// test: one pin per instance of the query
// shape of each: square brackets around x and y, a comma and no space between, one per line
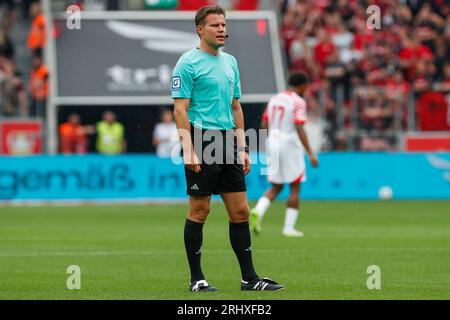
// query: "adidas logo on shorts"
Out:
[195,187]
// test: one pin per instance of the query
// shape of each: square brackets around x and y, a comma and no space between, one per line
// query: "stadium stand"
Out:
[369,87]
[376,70]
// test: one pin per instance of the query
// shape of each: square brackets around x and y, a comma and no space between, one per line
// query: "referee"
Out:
[206,92]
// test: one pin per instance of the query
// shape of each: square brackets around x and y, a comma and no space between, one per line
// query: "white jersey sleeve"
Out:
[299,110]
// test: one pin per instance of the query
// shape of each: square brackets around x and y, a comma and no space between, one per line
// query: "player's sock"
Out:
[242,246]
[193,238]
[261,206]
[290,218]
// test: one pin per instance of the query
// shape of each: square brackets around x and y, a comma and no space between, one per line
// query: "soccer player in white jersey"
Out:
[284,117]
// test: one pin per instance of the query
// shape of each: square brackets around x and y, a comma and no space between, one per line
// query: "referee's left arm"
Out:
[240,135]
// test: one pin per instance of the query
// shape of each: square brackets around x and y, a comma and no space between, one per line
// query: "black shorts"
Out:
[220,174]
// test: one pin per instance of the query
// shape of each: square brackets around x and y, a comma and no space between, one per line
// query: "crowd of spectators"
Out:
[376,69]
[23,93]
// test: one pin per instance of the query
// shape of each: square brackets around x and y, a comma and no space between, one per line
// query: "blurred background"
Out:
[378,101]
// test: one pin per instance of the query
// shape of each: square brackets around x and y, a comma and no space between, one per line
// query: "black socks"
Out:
[193,238]
[241,243]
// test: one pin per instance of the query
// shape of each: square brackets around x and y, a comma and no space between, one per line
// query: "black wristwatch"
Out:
[240,149]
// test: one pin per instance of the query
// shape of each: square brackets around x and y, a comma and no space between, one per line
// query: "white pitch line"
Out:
[80,253]
[217,251]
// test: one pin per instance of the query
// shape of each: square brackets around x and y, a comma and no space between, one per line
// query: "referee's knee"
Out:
[198,214]
[241,214]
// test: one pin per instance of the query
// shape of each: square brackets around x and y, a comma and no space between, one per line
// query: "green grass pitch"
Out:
[137,252]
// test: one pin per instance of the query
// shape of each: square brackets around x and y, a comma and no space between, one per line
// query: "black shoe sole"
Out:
[205,290]
[280,289]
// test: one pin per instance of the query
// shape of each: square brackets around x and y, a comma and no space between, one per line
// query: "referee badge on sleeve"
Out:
[176,83]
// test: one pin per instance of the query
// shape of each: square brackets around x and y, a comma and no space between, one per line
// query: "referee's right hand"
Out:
[191,161]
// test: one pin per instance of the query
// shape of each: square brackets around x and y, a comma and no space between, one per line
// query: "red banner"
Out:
[21,137]
[425,142]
